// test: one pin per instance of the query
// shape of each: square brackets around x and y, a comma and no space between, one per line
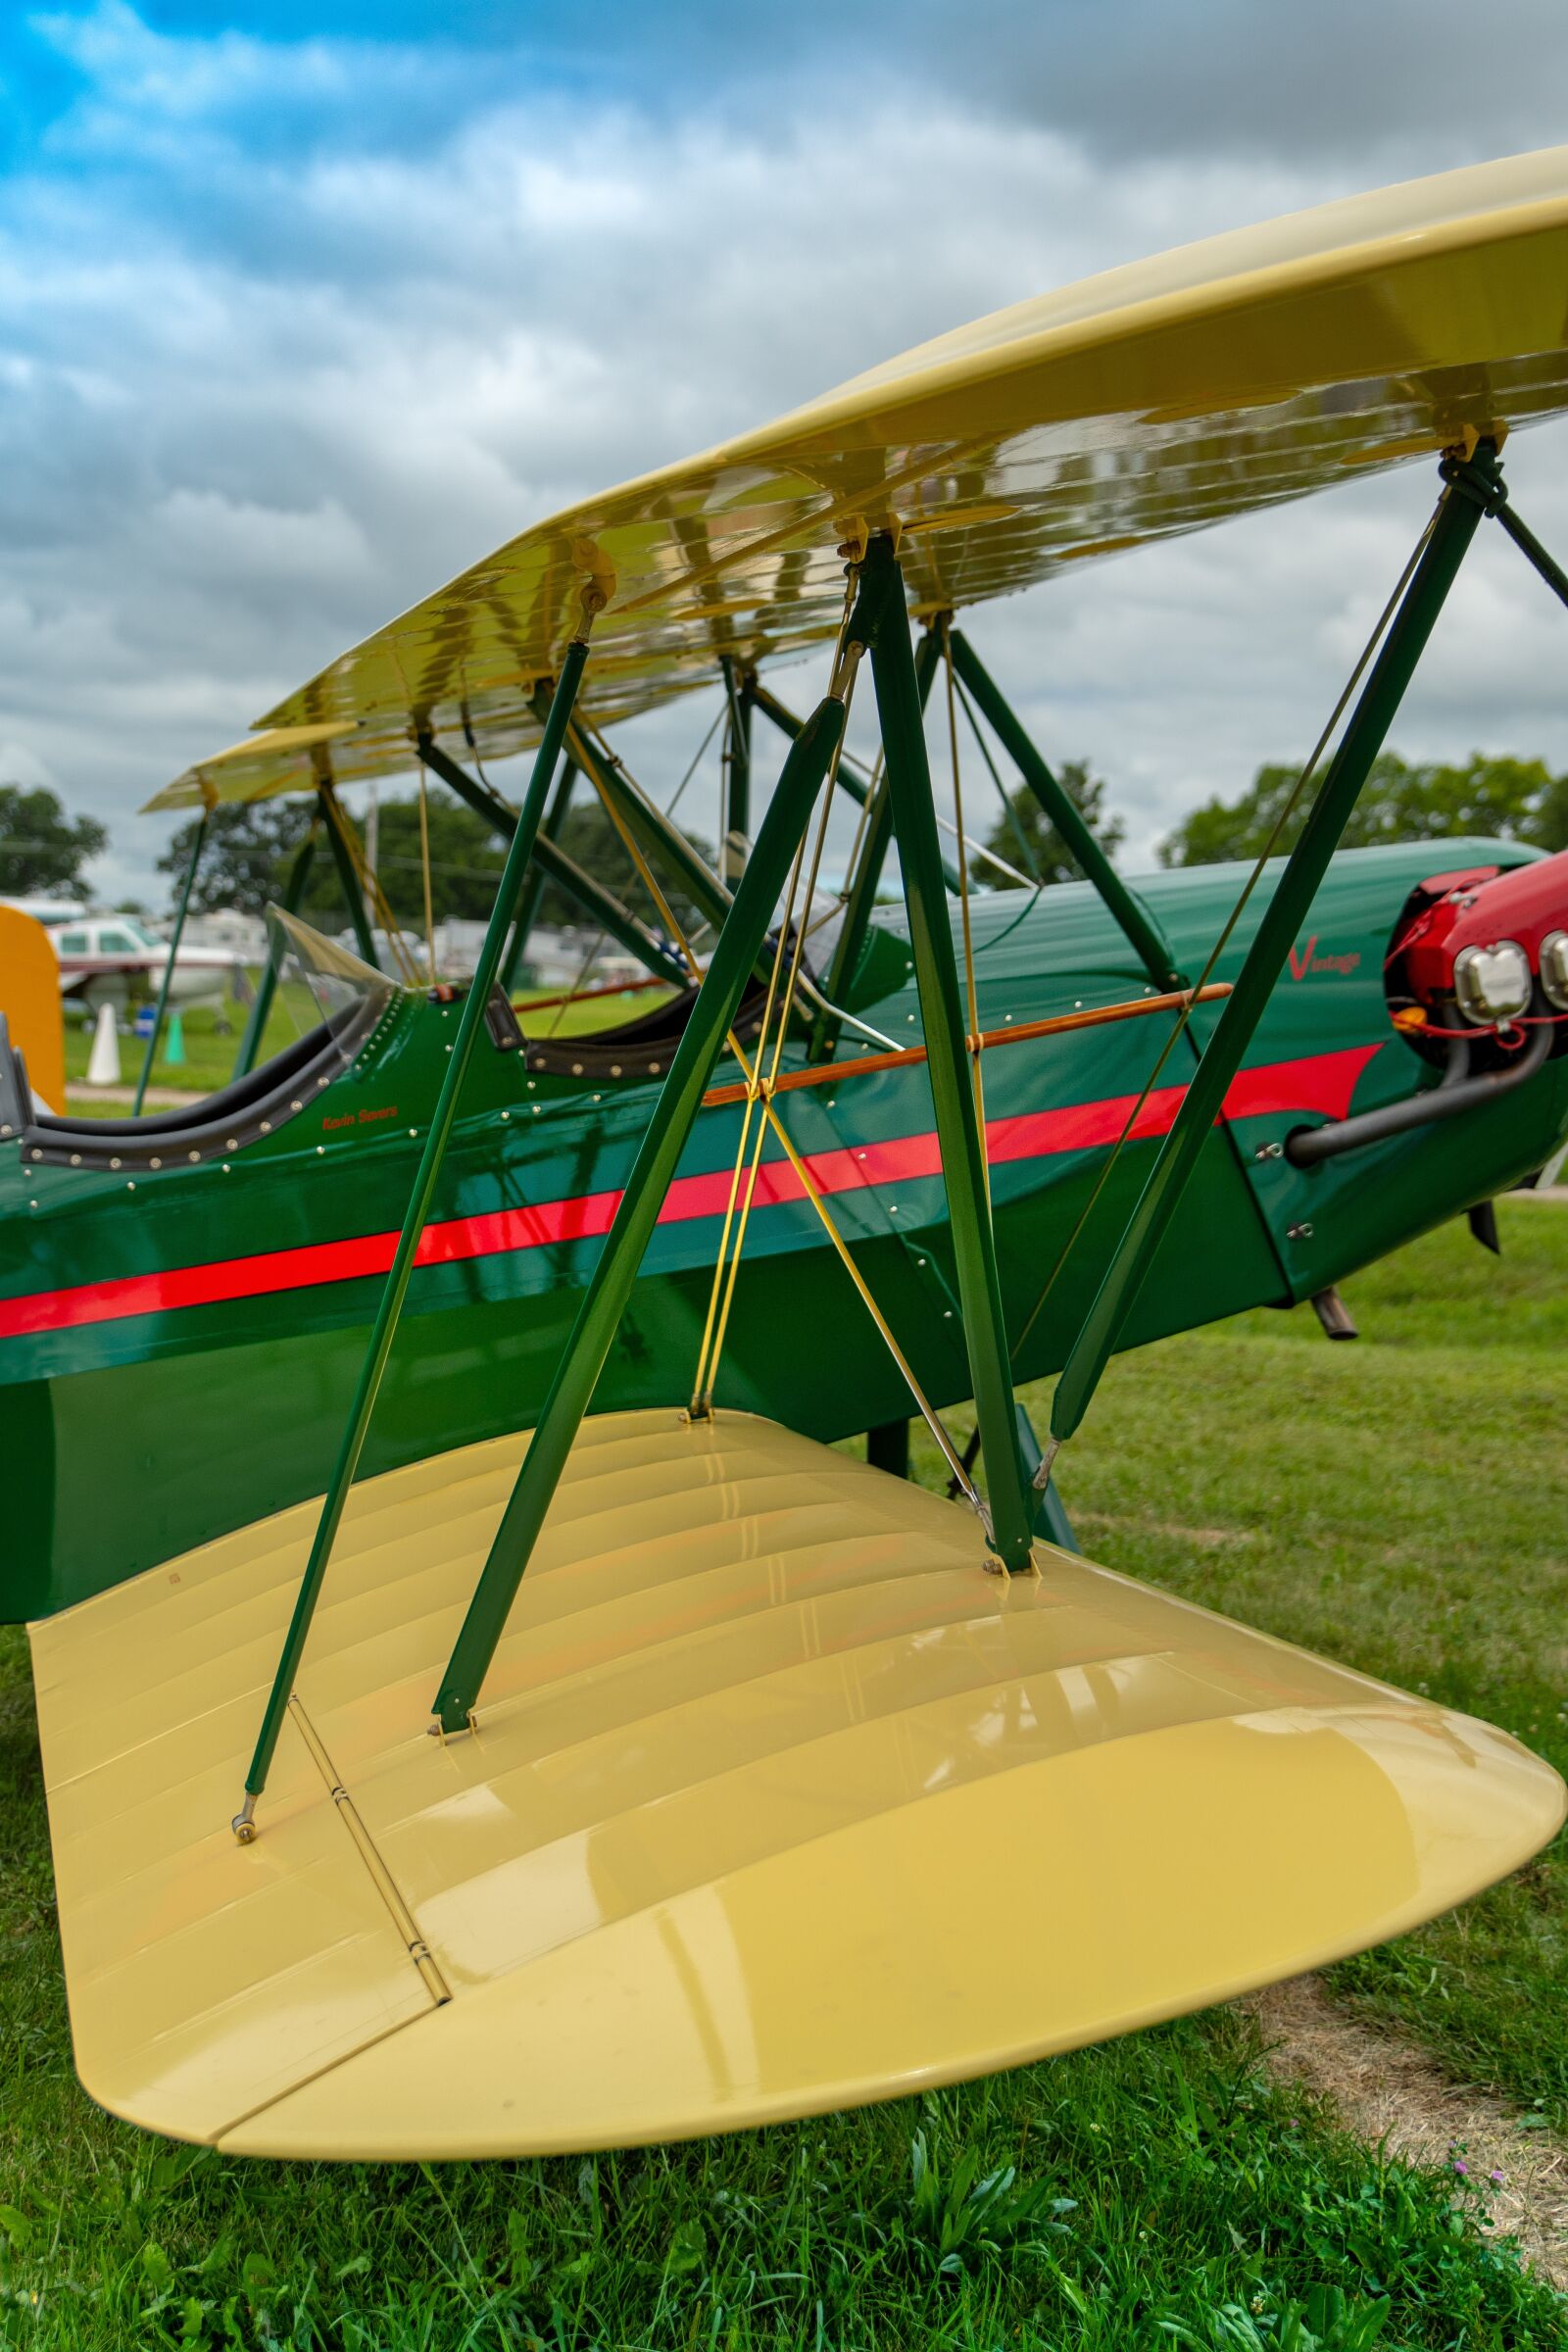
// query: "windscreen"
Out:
[337,979]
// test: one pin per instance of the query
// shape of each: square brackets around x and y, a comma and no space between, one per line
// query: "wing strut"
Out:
[735,828]
[1141,930]
[863,789]
[337,841]
[550,861]
[168,981]
[963,1150]
[1408,621]
[739,943]
[533,889]
[298,874]
[660,837]
[865,879]
[384,1330]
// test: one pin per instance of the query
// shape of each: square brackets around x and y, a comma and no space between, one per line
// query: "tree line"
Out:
[1401,800]
[250,848]
[45,851]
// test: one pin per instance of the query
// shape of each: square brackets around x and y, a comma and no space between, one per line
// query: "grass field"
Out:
[211,1038]
[1399,1503]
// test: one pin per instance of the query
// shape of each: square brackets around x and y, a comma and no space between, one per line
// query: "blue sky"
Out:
[304,305]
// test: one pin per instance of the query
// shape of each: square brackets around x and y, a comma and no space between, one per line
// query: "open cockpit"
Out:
[351,1000]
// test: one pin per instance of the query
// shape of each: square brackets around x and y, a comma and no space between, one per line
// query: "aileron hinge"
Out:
[387,1887]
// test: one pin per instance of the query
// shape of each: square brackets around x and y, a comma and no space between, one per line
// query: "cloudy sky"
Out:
[305,304]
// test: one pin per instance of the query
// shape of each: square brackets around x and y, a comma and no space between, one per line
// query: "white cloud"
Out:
[263,390]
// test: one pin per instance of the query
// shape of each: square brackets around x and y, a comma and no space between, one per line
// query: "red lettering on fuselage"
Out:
[366,1118]
[1307,960]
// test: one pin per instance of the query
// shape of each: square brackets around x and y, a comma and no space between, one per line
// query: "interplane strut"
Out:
[384,1329]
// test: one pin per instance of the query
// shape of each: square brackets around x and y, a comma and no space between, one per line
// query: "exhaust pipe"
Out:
[1455,1091]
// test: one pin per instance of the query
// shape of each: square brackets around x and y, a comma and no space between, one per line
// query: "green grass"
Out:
[211,1037]
[1399,1503]
[586,1019]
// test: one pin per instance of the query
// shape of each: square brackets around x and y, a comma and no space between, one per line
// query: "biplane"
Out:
[610,1758]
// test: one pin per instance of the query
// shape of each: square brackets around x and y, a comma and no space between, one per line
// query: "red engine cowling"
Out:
[1483,953]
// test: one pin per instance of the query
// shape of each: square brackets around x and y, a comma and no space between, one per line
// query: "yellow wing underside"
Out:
[1224,376]
[777,1803]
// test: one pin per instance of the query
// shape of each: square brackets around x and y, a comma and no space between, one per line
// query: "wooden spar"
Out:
[1097,1016]
[586,996]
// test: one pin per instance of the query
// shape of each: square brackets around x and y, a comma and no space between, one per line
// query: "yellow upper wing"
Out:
[1157,398]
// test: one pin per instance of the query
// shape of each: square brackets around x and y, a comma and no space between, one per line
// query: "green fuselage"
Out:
[178,1345]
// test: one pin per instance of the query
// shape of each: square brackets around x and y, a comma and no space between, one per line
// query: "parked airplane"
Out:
[102,956]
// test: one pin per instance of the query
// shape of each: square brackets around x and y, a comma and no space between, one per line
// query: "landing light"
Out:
[1554,969]
[1493,984]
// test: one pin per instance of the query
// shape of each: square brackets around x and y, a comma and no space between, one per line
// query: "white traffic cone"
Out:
[103,1063]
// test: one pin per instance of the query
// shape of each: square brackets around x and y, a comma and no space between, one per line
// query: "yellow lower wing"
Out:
[777,1803]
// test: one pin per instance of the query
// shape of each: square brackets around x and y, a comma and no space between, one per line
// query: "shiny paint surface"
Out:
[777,1803]
[194,1418]
[1230,374]
[1524,906]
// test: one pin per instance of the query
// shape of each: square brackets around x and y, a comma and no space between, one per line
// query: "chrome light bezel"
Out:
[1554,969]
[1478,983]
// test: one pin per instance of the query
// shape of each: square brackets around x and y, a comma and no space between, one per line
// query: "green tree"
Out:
[466,860]
[246,858]
[1403,799]
[592,840]
[42,851]
[1048,853]
[250,847]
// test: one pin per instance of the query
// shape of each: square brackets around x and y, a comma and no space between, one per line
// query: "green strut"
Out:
[1138,926]
[167,979]
[553,862]
[347,872]
[738,774]
[609,1287]
[384,1330]
[658,838]
[962,1145]
[864,883]
[1479,480]
[298,873]
[1452,530]
[858,787]
[533,889]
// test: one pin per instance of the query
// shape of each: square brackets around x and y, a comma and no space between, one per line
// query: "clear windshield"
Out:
[336,978]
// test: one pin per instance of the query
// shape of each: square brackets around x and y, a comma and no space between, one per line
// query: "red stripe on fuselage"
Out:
[1322,1082]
